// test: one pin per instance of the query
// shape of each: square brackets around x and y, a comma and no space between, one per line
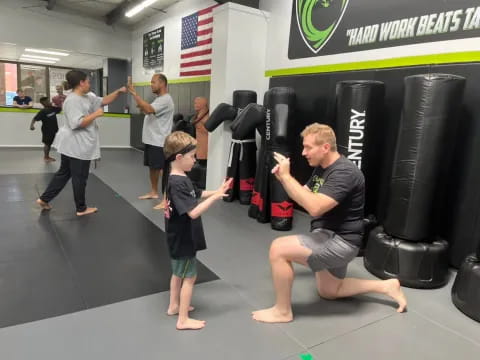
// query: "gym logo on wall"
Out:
[318,19]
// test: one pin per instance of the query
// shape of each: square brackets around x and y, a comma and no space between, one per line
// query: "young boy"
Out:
[183,224]
[48,117]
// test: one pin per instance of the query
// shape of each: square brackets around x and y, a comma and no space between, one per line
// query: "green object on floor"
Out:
[306,357]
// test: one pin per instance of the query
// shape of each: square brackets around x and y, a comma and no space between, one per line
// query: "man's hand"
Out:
[32,127]
[221,191]
[282,169]
[98,113]
[123,90]
[130,87]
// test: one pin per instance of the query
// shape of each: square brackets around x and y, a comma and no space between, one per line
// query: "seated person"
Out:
[22,101]
[58,99]
[201,134]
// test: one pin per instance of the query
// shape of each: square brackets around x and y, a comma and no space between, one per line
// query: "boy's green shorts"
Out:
[184,267]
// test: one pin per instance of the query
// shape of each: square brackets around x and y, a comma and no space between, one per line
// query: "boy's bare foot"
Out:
[161,206]
[43,204]
[174,310]
[394,290]
[150,195]
[190,324]
[87,211]
[272,315]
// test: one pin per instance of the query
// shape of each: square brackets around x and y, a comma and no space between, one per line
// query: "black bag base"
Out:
[369,224]
[417,265]
[466,288]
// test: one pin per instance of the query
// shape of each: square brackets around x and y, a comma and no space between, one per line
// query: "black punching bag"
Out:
[424,145]
[466,288]
[408,248]
[240,155]
[464,235]
[359,129]
[279,108]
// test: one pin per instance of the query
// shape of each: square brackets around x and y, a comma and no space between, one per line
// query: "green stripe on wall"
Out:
[16,110]
[7,109]
[449,58]
[179,81]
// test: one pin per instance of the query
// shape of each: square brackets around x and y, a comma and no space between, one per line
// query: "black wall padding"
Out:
[466,288]
[424,144]
[360,130]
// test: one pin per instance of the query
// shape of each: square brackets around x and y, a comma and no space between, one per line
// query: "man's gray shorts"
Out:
[329,252]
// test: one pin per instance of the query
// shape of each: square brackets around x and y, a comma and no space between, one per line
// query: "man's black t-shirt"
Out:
[344,182]
[48,117]
[184,235]
[25,101]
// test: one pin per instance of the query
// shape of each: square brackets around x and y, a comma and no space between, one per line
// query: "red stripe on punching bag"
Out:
[247,184]
[282,210]
[257,200]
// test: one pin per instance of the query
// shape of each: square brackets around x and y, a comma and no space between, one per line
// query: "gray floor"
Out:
[365,327]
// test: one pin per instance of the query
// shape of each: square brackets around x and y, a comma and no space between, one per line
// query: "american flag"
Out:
[196,53]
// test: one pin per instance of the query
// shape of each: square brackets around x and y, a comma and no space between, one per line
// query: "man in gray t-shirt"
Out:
[334,196]
[77,141]
[157,125]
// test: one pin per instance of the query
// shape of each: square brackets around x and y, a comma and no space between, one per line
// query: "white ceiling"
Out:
[12,52]
[97,9]
[91,11]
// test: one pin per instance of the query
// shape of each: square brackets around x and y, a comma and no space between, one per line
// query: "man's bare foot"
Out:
[43,204]
[52,159]
[150,195]
[190,324]
[87,211]
[160,206]
[272,315]
[394,290]
[174,310]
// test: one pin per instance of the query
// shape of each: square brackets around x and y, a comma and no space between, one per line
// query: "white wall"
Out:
[238,63]
[172,21]
[14,130]
[25,28]
[279,32]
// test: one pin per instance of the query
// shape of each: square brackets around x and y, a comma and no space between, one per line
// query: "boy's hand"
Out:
[221,191]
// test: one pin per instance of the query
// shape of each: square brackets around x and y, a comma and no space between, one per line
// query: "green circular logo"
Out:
[318,19]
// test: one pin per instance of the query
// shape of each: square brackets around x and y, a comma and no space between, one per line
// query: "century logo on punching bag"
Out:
[267,125]
[355,137]
[318,19]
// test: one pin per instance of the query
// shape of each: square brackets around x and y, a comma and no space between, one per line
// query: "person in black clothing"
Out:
[48,117]
[334,196]
[22,101]
[183,224]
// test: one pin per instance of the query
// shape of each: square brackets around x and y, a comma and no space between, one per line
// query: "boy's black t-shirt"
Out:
[48,117]
[184,235]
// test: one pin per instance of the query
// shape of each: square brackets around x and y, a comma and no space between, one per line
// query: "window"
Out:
[8,83]
[33,81]
[57,77]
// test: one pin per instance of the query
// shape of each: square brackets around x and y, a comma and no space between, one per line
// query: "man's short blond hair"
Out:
[177,141]
[324,134]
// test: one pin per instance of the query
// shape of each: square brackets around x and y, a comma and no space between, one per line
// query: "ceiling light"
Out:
[40,57]
[38,60]
[136,9]
[58,53]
